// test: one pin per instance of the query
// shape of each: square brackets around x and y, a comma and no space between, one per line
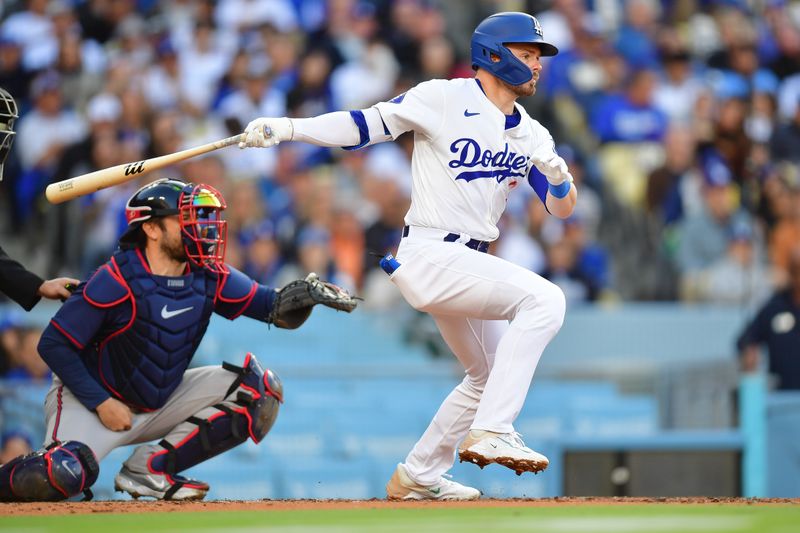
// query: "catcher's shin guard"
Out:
[60,471]
[254,410]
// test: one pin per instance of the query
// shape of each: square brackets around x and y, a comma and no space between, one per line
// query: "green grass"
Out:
[660,518]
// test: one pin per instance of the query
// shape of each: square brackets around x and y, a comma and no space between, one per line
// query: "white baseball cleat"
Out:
[402,487]
[159,486]
[507,449]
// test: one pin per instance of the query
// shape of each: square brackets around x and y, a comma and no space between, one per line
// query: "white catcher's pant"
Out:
[496,317]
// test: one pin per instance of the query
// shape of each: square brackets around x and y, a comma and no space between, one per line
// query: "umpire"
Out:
[16,282]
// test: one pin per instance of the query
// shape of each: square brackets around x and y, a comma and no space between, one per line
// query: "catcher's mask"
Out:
[204,232]
[8,114]
[199,208]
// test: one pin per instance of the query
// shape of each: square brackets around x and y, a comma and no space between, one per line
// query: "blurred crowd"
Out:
[679,119]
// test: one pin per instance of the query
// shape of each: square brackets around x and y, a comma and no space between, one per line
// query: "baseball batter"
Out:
[473,144]
[121,344]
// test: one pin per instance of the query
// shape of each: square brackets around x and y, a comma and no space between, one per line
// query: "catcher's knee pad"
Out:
[259,394]
[58,472]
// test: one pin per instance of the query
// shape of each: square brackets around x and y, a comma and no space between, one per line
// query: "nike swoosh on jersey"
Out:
[165,313]
[468,114]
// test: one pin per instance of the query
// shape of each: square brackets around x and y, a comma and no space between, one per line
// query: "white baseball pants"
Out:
[496,317]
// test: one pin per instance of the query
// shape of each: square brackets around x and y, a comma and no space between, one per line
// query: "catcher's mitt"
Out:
[295,300]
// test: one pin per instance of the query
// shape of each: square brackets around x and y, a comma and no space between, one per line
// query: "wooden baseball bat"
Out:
[62,191]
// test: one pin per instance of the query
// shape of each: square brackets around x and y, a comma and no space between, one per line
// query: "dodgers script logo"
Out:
[501,165]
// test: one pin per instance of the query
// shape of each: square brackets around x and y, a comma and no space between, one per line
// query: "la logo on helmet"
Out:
[537,27]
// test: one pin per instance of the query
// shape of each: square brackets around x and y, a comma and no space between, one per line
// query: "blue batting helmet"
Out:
[494,32]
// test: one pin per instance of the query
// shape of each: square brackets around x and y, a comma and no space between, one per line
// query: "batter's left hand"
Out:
[554,168]
[56,289]
[265,132]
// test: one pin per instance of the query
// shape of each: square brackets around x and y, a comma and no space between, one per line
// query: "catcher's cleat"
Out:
[402,487]
[484,447]
[159,486]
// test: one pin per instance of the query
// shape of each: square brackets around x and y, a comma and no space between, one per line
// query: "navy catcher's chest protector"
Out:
[144,362]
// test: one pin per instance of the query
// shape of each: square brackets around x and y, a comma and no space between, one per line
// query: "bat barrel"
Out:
[68,189]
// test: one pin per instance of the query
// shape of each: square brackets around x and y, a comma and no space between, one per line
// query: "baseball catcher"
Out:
[120,348]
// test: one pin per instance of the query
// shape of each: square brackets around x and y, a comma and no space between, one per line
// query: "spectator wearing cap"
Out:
[283,51]
[631,117]
[370,69]
[679,86]
[161,83]
[79,81]
[630,129]
[262,258]
[83,232]
[203,61]
[13,77]
[131,45]
[577,76]
[776,326]
[255,98]
[703,237]
[739,278]
[312,94]
[636,38]
[43,134]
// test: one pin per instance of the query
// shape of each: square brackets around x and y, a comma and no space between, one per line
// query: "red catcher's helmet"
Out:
[199,208]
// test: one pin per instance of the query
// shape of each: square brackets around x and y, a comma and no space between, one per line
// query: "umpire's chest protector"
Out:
[144,362]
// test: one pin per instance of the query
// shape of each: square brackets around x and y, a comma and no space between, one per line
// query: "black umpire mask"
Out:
[8,114]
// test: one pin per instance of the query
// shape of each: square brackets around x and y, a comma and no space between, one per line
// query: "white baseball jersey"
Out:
[465,162]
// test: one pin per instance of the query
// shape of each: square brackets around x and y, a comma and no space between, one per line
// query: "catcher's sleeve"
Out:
[239,295]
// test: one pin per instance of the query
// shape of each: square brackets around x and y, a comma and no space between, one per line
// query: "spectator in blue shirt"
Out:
[630,117]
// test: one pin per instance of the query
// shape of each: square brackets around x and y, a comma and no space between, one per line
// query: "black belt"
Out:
[475,244]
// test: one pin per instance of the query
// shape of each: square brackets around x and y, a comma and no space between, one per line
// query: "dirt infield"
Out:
[20,509]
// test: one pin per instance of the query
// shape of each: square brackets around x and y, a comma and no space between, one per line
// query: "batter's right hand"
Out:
[265,132]
[115,415]
[553,167]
